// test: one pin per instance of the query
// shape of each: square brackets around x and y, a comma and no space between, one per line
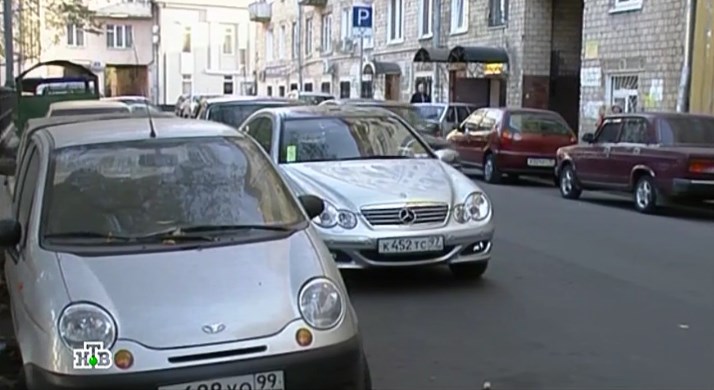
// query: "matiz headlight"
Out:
[332,217]
[476,207]
[321,304]
[82,322]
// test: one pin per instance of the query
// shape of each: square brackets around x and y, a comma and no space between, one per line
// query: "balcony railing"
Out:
[260,12]
[313,3]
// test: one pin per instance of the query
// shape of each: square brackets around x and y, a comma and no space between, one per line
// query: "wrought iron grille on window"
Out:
[624,92]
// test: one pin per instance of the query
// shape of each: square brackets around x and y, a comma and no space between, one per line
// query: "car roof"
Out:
[302,93]
[94,130]
[371,102]
[659,114]
[127,97]
[67,104]
[247,99]
[307,112]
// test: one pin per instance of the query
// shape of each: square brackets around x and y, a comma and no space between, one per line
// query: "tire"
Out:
[568,183]
[491,173]
[645,196]
[469,270]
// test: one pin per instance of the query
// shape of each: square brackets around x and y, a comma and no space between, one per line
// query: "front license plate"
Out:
[272,380]
[541,162]
[411,245]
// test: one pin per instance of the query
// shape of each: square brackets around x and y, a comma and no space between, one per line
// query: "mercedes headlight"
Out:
[82,322]
[476,207]
[321,304]
[332,217]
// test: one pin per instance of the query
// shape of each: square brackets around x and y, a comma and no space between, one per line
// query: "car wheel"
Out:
[469,270]
[645,195]
[491,174]
[568,183]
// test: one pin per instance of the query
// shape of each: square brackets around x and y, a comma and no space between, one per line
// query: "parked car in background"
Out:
[447,115]
[189,107]
[136,103]
[513,142]
[86,107]
[178,107]
[657,157]
[311,98]
[389,201]
[233,110]
[196,215]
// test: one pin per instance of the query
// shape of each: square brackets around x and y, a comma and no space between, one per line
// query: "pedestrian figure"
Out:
[601,116]
[420,96]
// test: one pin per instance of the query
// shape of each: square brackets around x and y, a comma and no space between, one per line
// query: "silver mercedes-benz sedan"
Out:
[389,199]
[170,257]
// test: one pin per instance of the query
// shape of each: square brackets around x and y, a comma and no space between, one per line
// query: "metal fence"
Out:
[8,101]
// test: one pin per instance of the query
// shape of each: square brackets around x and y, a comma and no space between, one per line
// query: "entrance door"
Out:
[391,87]
[471,90]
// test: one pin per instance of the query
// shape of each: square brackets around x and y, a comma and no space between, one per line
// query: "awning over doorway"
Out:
[432,54]
[378,67]
[481,54]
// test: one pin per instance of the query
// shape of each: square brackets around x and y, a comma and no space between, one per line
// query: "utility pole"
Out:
[298,45]
[361,64]
[436,43]
[9,51]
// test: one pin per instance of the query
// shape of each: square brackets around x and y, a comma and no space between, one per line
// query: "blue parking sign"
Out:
[362,16]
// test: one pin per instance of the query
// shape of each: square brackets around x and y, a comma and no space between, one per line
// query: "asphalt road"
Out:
[580,295]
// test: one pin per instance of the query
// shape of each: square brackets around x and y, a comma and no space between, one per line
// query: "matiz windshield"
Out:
[165,190]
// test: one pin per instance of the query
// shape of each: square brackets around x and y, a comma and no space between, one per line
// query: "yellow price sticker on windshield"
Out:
[291,153]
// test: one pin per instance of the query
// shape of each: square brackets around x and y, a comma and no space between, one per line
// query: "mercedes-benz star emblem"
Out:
[407,216]
[213,328]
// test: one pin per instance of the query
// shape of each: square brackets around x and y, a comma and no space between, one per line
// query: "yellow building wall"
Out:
[701,98]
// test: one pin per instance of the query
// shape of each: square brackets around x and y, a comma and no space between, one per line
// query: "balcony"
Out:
[313,3]
[260,12]
[121,8]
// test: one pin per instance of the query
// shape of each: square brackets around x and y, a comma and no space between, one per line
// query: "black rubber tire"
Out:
[469,270]
[491,175]
[569,192]
[650,207]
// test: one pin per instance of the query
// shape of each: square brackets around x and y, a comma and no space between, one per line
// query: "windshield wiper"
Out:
[88,235]
[181,231]
[394,157]
[107,237]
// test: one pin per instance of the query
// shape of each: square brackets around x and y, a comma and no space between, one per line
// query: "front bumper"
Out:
[693,189]
[339,366]
[465,243]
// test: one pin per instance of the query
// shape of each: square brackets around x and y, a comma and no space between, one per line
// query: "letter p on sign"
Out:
[362,16]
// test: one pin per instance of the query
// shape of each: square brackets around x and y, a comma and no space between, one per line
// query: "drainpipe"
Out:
[9,51]
[685,78]
[436,43]
[299,47]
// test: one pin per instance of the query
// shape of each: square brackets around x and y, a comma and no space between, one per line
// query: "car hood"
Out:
[355,184]
[164,299]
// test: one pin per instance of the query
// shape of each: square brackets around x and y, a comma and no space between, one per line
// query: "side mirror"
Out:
[8,166]
[588,137]
[313,205]
[10,233]
[447,155]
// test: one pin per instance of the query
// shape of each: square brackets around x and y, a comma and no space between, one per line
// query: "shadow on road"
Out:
[409,280]
[694,213]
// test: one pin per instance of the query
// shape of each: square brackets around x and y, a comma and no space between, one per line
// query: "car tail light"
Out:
[573,139]
[701,166]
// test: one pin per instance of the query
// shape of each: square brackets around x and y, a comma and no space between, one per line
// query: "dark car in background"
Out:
[233,110]
[657,157]
[512,142]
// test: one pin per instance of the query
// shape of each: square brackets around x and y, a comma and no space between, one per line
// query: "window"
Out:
[269,49]
[28,188]
[295,41]
[634,130]
[281,91]
[345,89]
[281,41]
[293,87]
[120,36]
[228,85]
[623,92]
[462,113]
[425,18]
[326,87]
[426,81]
[261,129]
[308,36]
[307,87]
[346,33]
[686,130]
[186,84]
[186,47]
[270,90]
[396,21]
[609,132]
[229,40]
[626,5]
[459,16]
[326,38]
[537,123]
[497,12]
[75,35]
[367,91]
[234,114]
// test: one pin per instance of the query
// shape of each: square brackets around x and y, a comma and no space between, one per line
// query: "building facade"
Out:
[205,48]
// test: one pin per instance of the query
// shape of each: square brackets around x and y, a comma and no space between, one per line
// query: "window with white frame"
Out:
[623,91]
[282,35]
[425,18]
[229,40]
[626,5]
[295,40]
[186,44]
[120,36]
[308,36]
[228,85]
[269,49]
[459,16]
[395,28]
[497,12]
[75,35]
[326,37]
[186,84]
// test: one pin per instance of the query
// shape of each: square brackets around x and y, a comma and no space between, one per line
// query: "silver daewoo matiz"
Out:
[169,254]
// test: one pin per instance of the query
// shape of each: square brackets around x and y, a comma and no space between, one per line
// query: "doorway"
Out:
[126,80]
[391,86]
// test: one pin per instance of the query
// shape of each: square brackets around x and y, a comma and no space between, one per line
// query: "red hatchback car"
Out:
[513,142]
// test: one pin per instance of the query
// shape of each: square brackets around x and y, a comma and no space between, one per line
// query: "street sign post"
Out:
[362,27]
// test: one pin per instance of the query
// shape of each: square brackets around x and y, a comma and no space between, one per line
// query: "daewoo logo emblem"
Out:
[407,216]
[213,328]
